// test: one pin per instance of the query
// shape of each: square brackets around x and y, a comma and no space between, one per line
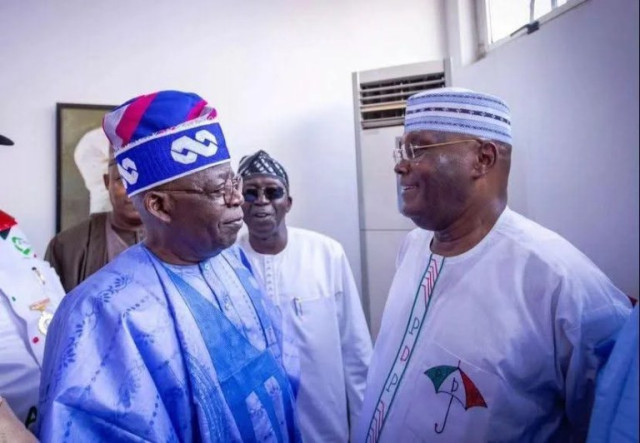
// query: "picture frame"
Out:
[80,141]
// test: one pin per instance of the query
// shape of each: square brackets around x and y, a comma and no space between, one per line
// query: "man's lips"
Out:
[234,223]
[408,188]
[261,215]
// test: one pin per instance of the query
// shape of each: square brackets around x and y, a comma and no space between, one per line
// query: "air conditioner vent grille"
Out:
[383,103]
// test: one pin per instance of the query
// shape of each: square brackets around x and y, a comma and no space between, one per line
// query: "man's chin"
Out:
[222,244]
[417,217]
[132,217]
[409,211]
[229,240]
[261,230]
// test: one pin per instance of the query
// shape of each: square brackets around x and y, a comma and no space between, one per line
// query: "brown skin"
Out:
[457,191]
[11,428]
[187,228]
[266,219]
[124,214]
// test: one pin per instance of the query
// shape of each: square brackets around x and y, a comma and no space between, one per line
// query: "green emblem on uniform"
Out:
[21,245]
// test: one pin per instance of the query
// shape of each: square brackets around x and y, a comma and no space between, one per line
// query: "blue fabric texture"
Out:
[163,136]
[175,155]
[615,411]
[134,353]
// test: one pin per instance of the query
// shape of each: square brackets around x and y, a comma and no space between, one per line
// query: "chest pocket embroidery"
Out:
[453,381]
[448,396]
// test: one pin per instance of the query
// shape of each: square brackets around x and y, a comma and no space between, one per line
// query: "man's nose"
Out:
[402,167]
[236,198]
[262,198]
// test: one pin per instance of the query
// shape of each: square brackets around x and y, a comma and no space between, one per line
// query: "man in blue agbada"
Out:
[171,341]
[615,412]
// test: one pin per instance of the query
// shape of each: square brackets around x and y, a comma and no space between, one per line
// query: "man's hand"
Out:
[11,429]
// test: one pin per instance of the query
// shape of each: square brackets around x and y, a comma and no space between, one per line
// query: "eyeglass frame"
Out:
[398,151]
[225,190]
[262,191]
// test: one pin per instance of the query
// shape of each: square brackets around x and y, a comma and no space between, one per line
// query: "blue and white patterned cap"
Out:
[459,111]
[160,137]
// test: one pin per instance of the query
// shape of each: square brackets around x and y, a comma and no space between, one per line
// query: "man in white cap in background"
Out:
[308,276]
[91,156]
[79,251]
[493,323]
[172,340]
[29,295]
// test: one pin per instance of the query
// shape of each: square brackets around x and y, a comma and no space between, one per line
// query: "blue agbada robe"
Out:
[615,411]
[135,353]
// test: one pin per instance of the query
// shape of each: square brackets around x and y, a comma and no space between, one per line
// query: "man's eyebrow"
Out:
[214,184]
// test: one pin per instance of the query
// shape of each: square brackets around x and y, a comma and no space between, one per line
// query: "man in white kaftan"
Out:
[308,276]
[172,340]
[493,323]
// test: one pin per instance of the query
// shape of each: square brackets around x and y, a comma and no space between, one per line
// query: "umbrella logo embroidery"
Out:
[446,380]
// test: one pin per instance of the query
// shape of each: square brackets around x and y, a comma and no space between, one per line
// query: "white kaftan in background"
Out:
[312,283]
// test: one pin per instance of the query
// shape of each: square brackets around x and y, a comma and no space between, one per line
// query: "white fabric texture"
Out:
[312,283]
[459,111]
[522,314]
[25,280]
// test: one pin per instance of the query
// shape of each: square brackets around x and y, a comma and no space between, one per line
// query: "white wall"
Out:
[278,71]
[573,91]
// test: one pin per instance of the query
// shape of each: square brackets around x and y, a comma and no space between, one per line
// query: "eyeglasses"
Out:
[273,193]
[409,152]
[222,194]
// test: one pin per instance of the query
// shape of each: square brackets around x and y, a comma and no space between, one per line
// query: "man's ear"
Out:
[289,203]
[159,204]
[486,158]
[105,178]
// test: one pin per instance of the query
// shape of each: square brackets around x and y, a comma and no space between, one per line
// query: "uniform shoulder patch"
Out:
[6,223]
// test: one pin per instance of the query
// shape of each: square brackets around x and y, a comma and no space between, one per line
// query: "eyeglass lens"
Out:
[403,152]
[230,186]
[251,195]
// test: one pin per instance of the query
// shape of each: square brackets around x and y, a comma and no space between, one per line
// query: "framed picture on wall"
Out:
[81,162]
